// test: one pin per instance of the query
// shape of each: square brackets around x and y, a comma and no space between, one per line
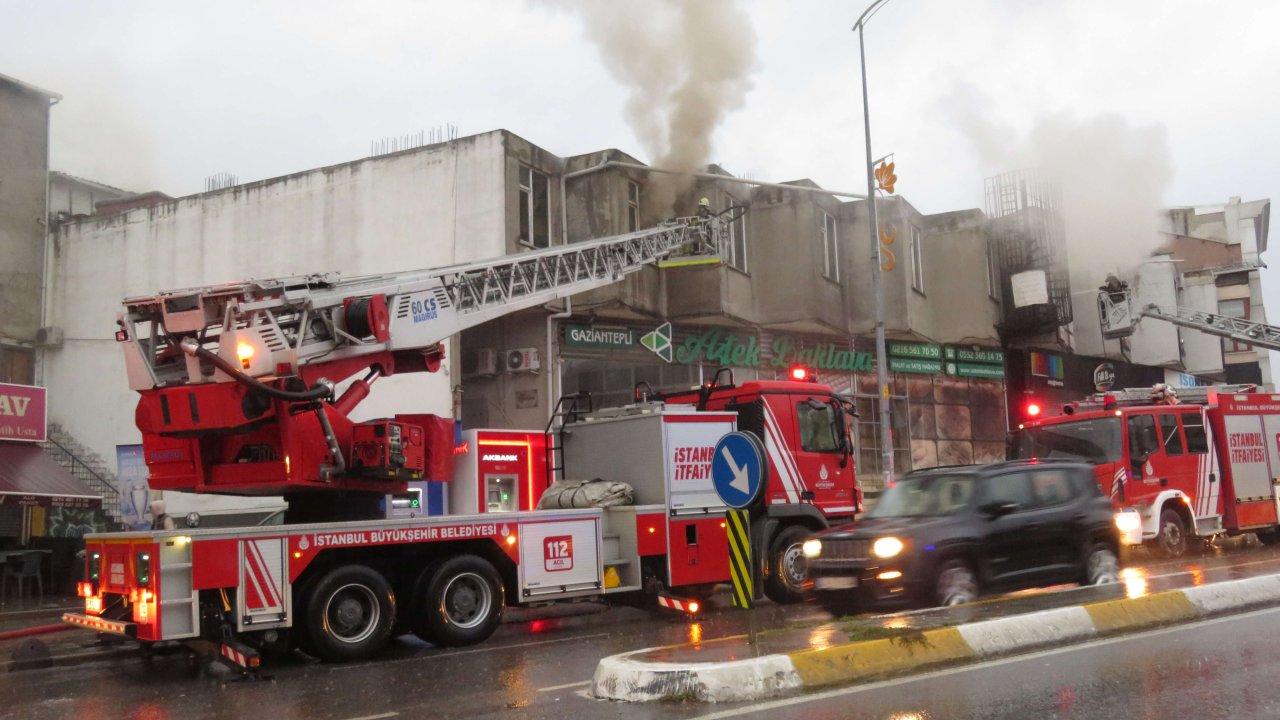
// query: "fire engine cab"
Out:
[237,396]
[1193,463]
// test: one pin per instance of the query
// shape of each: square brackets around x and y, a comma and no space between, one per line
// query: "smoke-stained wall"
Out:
[24,152]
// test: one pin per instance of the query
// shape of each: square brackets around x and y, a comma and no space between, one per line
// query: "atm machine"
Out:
[497,471]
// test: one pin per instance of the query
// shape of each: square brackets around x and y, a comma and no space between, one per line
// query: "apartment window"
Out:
[917,261]
[737,236]
[830,247]
[17,365]
[993,282]
[535,212]
[633,206]
[1234,309]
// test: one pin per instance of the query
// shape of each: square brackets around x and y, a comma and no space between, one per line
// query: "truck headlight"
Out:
[812,548]
[886,547]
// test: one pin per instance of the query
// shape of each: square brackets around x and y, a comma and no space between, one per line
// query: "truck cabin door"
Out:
[823,455]
[1150,466]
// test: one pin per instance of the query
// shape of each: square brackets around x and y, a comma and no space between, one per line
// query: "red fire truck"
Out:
[1204,465]
[237,386]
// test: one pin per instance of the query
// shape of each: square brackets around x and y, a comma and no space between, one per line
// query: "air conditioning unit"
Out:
[520,360]
[49,336]
[481,361]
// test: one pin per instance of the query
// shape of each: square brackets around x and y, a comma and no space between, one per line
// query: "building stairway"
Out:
[88,467]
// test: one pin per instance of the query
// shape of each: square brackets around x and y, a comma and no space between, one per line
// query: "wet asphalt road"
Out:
[541,668]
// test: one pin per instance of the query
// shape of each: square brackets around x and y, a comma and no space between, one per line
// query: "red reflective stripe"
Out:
[264,575]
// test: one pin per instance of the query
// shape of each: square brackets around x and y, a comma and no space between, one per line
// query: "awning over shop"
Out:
[28,477]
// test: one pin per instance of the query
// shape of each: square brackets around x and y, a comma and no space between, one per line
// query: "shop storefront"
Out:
[947,401]
[1047,379]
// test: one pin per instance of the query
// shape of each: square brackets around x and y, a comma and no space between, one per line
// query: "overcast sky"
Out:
[158,95]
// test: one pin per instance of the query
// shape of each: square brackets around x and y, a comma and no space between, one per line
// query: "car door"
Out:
[1180,467]
[1007,536]
[824,461]
[1060,517]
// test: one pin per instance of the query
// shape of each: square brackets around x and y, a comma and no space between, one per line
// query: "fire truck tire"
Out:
[461,604]
[788,577]
[1171,540]
[1269,537]
[348,614]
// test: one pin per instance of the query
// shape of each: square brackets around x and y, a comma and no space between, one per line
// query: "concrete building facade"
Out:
[24,169]
[793,289]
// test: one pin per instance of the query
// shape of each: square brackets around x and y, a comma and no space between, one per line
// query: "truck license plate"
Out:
[835,583]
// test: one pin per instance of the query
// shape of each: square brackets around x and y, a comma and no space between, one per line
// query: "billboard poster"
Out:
[135,494]
[22,413]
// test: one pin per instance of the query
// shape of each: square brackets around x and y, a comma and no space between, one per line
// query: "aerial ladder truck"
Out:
[1178,464]
[237,388]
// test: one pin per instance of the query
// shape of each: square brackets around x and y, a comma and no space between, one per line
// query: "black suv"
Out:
[943,536]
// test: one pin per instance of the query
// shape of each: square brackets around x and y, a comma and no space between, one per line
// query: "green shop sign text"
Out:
[724,348]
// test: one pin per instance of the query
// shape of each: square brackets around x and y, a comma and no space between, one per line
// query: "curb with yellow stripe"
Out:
[631,678]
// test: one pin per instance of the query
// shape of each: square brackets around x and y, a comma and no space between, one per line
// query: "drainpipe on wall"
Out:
[38,364]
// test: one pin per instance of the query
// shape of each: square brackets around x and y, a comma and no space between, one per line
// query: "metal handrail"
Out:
[107,487]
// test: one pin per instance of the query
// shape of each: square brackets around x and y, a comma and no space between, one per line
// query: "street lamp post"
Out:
[877,284]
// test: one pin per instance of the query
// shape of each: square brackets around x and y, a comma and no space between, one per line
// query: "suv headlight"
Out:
[812,548]
[886,547]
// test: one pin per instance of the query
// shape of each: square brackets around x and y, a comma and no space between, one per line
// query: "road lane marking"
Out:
[565,686]
[455,653]
[828,694]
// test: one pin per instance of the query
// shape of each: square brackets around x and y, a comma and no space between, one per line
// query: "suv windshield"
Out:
[1095,441]
[928,495]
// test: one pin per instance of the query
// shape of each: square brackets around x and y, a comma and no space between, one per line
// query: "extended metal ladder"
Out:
[304,318]
[1119,319]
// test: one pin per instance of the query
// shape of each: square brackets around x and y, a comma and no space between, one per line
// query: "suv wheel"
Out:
[1101,567]
[1172,537]
[956,584]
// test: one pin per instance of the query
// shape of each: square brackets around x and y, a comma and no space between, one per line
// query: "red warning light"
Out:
[799,373]
[1033,409]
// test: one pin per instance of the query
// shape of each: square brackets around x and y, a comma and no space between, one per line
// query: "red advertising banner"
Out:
[22,413]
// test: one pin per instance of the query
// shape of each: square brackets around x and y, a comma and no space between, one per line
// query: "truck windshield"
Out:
[1095,441]
[927,496]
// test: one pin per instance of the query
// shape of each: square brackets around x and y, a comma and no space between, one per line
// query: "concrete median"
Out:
[670,674]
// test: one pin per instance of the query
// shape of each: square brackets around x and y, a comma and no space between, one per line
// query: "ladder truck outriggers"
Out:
[237,396]
[1178,464]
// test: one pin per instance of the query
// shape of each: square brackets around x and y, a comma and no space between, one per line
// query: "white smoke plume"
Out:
[686,65]
[1112,176]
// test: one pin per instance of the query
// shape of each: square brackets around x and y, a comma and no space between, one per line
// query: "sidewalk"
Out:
[804,658]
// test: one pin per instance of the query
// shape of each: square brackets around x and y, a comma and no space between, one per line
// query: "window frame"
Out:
[1068,482]
[917,260]
[527,184]
[1229,346]
[1203,434]
[985,490]
[833,426]
[1177,434]
[829,236]
[737,237]
[633,206]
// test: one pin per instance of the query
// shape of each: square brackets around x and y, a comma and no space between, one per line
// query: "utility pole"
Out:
[877,283]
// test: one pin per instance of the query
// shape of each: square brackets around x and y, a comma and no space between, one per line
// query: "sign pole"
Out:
[737,472]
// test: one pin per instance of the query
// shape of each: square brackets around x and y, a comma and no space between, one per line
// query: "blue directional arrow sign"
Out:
[737,469]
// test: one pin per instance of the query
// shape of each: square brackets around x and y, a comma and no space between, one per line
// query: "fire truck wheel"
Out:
[348,613]
[463,602]
[1271,537]
[1172,538]
[788,576]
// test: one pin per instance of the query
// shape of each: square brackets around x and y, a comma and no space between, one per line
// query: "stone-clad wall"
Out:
[956,421]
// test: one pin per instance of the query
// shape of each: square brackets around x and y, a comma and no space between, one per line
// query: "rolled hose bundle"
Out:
[567,494]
